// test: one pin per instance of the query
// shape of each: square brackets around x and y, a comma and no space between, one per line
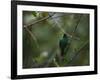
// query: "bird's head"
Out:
[64,35]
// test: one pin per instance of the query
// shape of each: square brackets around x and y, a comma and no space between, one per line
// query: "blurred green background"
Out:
[42,32]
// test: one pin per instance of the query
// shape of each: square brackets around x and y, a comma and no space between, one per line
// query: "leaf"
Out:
[34,13]
[44,14]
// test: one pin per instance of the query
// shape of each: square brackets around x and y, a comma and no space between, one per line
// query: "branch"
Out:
[33,37]
[47,17]
[78,21]
[59,16]
[35,22]
[55,62]
[77,52]
[77,24]
[62,30]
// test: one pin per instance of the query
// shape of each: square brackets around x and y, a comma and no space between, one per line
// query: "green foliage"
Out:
[34,13]
[41,39]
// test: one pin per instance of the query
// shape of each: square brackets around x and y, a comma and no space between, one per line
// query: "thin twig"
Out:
[50,57]
[74,30]
[47,17]
[77,24]
[33,37]
[62,30]
[77,52]
[35,22]
[55,62]
[78,21]
[58,16]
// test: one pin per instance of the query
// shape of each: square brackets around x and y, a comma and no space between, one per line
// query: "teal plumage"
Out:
[63,44]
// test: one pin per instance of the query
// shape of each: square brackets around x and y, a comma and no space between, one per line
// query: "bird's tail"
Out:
[62,53]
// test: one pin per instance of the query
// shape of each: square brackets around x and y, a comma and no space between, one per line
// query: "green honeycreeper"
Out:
[63,44]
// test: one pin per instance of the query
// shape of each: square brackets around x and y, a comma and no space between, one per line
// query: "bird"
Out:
[63,44]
